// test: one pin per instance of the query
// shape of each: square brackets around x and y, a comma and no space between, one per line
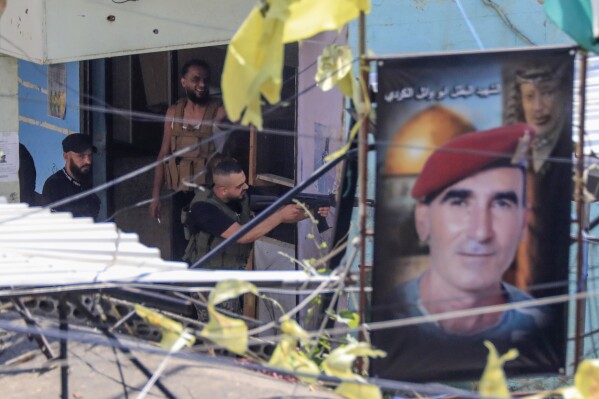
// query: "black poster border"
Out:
[432,361]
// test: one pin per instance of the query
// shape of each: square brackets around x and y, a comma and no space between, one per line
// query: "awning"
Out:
[48,32]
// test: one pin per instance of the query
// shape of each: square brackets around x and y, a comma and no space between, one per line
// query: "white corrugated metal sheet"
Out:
[39,248]
[592,106]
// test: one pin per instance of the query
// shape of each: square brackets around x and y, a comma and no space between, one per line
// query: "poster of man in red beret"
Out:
[473,212]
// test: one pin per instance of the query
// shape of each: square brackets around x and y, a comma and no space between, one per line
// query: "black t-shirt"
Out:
[60,185]
[207,217]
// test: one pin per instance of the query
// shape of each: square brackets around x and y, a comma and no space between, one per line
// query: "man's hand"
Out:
[292,213]
[324,212]
[155,209]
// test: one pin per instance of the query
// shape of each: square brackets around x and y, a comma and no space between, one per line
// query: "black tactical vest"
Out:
[235,255]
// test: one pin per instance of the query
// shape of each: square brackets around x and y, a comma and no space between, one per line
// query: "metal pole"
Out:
[64,367]
[363,177]
[41,340]
[252,156]
[580,206]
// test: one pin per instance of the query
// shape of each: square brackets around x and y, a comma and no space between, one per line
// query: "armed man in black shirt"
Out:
[217,213]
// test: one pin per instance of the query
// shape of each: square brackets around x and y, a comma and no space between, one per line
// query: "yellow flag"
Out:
[226,331]
[493,383]
[335,68]
[229,289]
[291,328]
[309,17]
[254,62]
[586,383]
[287,356]
[339,364]
[354,390]
[586,379]
[171,330]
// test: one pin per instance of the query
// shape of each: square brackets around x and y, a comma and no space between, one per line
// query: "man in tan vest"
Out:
[188,124]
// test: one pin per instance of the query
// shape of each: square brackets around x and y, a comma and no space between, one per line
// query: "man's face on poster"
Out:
[473,228]
[542,106]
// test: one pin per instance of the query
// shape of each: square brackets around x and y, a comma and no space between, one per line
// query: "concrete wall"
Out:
[9,125]
[320,120]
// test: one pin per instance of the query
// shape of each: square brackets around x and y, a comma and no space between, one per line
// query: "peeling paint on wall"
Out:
[45,125]
[419,4]
[30,85]
[508,22]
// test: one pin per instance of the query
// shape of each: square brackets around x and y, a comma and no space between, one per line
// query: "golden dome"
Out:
[418,137]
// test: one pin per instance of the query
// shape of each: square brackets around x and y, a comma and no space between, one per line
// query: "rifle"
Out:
[259,202]
[311,201]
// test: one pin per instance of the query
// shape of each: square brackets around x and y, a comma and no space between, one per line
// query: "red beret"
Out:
[468,154]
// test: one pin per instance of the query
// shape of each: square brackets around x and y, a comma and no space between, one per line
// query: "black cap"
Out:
[77,142]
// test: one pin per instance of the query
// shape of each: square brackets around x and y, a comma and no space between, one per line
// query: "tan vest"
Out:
[188,166]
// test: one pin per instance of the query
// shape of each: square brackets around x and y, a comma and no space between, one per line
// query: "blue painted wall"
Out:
[40,133]
[423,26]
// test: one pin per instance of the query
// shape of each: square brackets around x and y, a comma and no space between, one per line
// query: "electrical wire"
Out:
[219,135]
[85,337]
[562,160]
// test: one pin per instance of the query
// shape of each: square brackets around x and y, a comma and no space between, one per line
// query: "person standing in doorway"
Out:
[188,123]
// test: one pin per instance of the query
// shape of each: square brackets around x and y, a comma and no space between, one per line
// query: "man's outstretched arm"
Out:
[287,214]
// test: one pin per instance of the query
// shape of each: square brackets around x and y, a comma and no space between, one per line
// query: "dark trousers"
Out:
[178,241]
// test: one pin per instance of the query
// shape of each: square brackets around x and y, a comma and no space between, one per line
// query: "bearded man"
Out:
[188,124]
[218,212]
[74,178]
